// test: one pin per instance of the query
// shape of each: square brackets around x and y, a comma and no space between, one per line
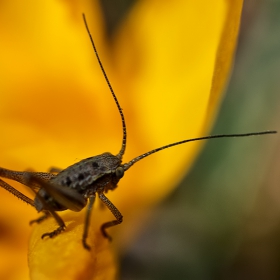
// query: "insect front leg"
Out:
[115,212]
[87,221]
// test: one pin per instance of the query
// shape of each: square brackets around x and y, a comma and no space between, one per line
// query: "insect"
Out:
[77,186]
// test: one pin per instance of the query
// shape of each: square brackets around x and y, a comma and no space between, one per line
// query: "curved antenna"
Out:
[121,152]
[130,163]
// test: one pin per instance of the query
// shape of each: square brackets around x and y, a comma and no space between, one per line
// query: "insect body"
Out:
[76,187]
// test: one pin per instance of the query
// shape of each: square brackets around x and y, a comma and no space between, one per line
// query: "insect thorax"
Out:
[88,176]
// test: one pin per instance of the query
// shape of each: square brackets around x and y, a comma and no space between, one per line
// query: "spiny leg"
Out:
[16,193]
[33,180]
[115,212]
[87,221]
[23,177]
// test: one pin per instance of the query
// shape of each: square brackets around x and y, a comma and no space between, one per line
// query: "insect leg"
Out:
[23,177]
[67,197]
[40,219]
[55,216]
[115,212]
[48,209]
[87,221]
[15,192]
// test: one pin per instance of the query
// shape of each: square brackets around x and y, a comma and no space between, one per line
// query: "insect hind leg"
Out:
[48,209]
[16,193]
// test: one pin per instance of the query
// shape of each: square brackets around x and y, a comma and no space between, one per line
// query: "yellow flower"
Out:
[168,64]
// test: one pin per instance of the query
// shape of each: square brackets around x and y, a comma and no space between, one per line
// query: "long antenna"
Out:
[130,163]
[121,152]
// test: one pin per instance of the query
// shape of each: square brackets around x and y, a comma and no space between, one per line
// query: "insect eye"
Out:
[119,172]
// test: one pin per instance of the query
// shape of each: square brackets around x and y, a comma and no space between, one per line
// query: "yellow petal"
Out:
[178,55]
[168,65]
[64,257]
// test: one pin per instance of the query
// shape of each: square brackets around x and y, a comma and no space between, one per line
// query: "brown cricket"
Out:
[77,186]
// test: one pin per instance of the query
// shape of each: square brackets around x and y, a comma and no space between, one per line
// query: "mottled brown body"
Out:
[86,177]
[70,189]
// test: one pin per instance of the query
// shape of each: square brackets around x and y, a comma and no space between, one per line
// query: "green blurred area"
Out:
[223,221]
